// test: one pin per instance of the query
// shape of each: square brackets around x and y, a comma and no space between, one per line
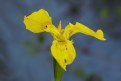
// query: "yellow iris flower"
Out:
[62,47]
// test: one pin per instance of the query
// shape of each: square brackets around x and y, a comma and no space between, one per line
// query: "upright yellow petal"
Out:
[63,52]
[69,31]
[37,21]
[53,31]
[80,28]
[60,27]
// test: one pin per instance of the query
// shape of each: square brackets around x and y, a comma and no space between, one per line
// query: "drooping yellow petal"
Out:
[37,21]
[80,28]
[99,35]
[63,52]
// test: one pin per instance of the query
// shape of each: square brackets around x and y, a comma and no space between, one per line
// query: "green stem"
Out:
[58,71]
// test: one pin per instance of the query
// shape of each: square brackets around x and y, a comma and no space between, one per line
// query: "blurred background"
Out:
[25,56]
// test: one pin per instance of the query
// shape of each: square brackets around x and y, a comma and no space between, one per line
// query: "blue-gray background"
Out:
[25,56]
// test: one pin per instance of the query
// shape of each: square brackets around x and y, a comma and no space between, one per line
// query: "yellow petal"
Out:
[100,35]
[80,28]
[69,30]
[37,21]
[53,31]
[63,52]
[60,27]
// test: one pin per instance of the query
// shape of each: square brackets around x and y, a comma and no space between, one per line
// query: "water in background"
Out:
[25,56]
